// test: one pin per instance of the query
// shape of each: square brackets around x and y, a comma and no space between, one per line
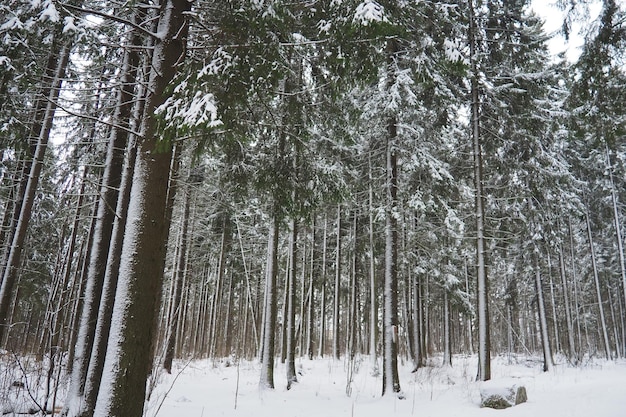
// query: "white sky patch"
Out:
[553,18]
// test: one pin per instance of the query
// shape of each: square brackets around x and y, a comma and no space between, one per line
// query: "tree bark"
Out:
[173,325]
[43,127]
[109,287]
[372,270]
[484,344]
[291,306]
[447,338]
[99,255]
[311,291]
[269,315]
[616,222]
[605,335]
[322,340]
[548,362]
[571,345]
[337,288]
[130,350]
[391,380]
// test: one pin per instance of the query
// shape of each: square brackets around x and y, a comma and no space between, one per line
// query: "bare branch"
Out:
[114,18]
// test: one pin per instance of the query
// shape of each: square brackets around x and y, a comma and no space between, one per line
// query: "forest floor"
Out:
[329,388]
[341,388]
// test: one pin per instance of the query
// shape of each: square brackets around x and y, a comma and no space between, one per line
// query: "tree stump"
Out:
[502,394]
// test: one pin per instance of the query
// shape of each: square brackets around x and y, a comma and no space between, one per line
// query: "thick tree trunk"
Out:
[391,380]
[130,350]
[103,328]
[269,315]
[99,255]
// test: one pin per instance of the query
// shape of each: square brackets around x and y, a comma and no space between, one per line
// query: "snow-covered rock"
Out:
[502,394]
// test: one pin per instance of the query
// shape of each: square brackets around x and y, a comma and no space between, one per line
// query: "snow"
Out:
[69,25]
[49,12]
[200,111]
[202,388]
[553,23]
[368,12]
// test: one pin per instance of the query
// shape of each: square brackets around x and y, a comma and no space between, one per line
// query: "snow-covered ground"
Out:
[329,388]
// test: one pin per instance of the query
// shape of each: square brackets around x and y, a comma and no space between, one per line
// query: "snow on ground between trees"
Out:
[208,388]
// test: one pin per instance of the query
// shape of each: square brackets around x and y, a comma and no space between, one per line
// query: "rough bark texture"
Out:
[103,328]
[391,382]
[269,315]
[130,351]
[105,220]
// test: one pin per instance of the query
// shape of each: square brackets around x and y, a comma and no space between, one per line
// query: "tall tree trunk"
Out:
[130,350]
[571,345]
[352,327]
[557,341]
[605,335]
[418,337]
[391,380]
[291,306]
[99,255]
[576,298]
[219,283]
[470,327]
[372,269]
[322,341]
[484,344]
[84,267]
[109,287]
[173,325]
[269,314]
[616,220]
[248,288]
[336,299]
[447,338]
[57,66]
[618,349]
[311,291]
[548,362]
